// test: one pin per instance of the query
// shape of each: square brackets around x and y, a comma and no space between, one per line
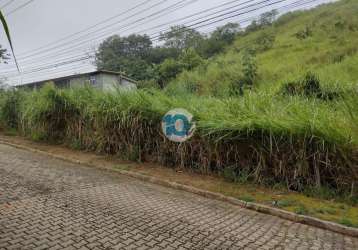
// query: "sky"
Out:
[54,38]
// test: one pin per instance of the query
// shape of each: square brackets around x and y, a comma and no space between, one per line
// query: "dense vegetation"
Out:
[278,103]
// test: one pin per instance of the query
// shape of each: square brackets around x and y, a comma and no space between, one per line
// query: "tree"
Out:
[249,73]
[254,25]
[265,19]
[157,55]
[190,59]
[181,37]
[226,33]
[219,39]
[130,55]
[268,18]
[170,68]
[4,56]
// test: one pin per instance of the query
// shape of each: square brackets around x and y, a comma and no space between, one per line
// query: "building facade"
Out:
[101,79]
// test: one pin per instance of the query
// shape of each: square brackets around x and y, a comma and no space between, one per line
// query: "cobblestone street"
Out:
[50,204]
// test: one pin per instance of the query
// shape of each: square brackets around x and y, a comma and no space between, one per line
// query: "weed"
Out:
[347,222]
[301,210]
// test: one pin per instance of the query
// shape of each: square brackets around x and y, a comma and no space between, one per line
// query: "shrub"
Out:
[309,87]
[305,33]
[10,102]
[264,41]
[249,68]
[168,70]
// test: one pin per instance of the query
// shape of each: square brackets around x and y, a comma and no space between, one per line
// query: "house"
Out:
[100,79]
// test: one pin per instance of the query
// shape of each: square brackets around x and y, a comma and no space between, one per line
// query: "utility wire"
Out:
[109,19]
[84,36]
[7,4]
[94,32]
[19,7]
[105,35]
[86,58]
[62,59]
[67,50]
[81,57]
[158,37]
[89,28]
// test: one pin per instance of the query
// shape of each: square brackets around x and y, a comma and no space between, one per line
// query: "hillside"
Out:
[322,40]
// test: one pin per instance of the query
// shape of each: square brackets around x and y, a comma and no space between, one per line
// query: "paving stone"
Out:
[51,204]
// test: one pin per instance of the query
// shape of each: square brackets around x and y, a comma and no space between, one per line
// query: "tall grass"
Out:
[300,142]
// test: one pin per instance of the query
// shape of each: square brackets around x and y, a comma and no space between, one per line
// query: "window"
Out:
[92,80]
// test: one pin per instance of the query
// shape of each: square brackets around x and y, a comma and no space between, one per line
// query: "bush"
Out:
[304,34]
[264,41]
[168,70]
[249,73]
[309,87]
[10,102]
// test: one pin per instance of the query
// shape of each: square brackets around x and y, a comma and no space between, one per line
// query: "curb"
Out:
[331,226]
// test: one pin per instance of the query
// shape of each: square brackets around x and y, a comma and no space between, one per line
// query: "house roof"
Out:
[79,75]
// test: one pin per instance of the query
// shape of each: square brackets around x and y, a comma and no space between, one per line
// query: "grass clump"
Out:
[10,102]
[347,222]
[297,142]
[309,87]
[301,210]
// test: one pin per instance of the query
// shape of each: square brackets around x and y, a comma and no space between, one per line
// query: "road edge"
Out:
[307,220]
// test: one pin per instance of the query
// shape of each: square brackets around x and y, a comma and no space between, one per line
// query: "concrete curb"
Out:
[334,227]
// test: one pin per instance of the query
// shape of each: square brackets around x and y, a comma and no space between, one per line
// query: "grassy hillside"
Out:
[322,40]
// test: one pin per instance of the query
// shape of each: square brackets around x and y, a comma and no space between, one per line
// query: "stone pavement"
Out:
[50,204]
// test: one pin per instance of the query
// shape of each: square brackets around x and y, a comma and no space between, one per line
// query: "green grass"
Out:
[330,52]
[286,203]
[301,210]
[347,222]
[264,138]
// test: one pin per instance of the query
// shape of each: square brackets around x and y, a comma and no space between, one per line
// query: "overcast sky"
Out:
[41,23]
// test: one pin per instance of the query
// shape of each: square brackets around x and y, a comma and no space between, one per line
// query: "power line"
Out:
[19,7]
[83,36]
[67,50]
[7,4]
[192,15]
[106,20]
[158,37]
[49,74]
[64,50]
[94,32]
[90,27]
[98,37]
[84,58]
[64,63]
[241,13]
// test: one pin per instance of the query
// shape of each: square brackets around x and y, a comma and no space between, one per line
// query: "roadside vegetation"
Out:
[274,104]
